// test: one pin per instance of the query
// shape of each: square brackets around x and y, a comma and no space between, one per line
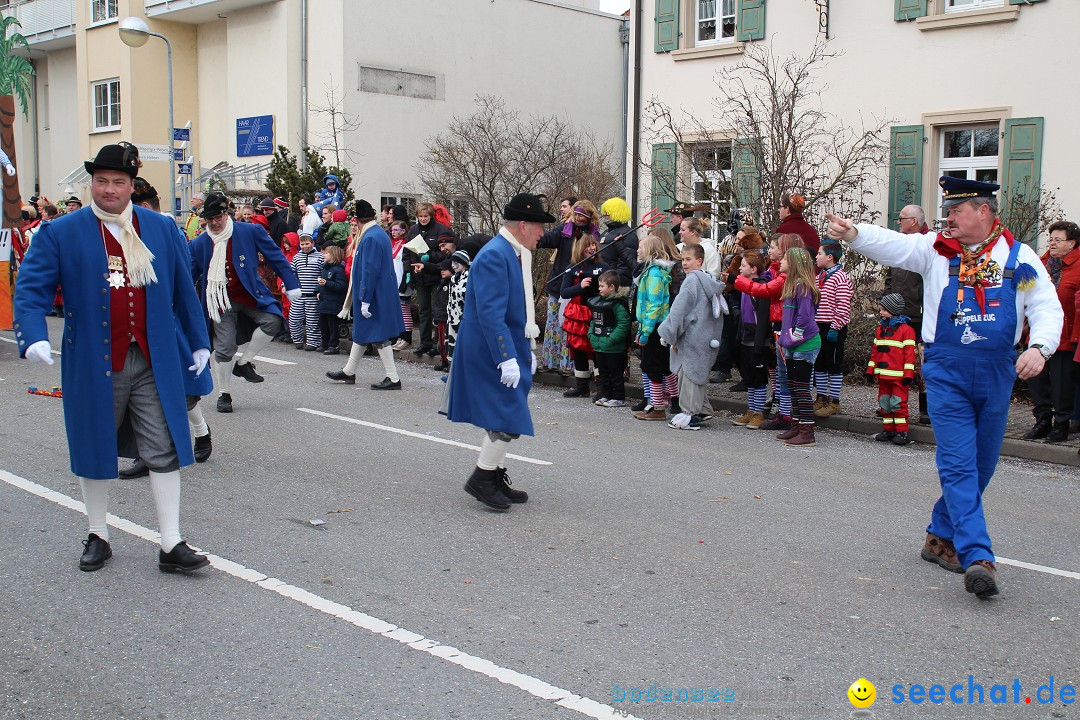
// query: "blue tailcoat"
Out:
[375,282]
[69,251]
[492,330]
[248,240]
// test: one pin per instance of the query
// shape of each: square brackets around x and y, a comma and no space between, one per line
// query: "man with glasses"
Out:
[911,221]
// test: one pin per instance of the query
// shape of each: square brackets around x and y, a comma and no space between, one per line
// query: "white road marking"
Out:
[414,641]
[1038,568]
[421,436]
[15,342]
[272,361]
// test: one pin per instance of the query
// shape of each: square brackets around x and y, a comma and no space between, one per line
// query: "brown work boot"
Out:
[743,419]
[652,412]
[804,437]
[756,421]
[819,402]
[831,407]
[788,434]
[942,552]
[980,578]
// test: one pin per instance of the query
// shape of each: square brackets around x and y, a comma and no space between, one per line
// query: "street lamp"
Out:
[134,32]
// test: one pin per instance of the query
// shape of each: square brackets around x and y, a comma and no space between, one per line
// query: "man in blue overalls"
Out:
[979,285]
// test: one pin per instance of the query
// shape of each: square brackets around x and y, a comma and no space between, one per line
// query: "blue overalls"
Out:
[969,370]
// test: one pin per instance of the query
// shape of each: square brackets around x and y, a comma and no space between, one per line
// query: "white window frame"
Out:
[718,6]
[713,177]
[110,8]
[113,100]
[973,5]
[970,164]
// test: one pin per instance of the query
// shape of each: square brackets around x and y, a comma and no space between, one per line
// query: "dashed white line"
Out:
[414,641]
[1038,568]
[420,436]
[14,342]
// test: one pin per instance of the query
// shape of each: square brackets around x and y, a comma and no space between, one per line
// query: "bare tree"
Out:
[769,133]
[486,158]
[337,123]
[1028,214]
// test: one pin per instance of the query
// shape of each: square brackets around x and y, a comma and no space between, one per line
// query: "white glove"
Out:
[534,363]
[293,294]
[41,351]
[200,357]
[365,309]
[10,170]
[664,343]
[345,314]
[511,374]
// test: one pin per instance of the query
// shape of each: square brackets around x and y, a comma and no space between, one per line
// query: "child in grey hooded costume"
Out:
[693,329]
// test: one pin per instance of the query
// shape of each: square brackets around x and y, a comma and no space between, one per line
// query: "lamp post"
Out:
[134,32]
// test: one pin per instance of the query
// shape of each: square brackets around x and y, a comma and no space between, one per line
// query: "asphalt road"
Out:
[714,560]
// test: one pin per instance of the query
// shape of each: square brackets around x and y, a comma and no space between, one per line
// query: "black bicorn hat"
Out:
[215,204]
[527,207]
[123,157]
[958,190]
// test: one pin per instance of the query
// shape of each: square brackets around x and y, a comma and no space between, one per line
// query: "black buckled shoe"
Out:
[1059,433]
[502,482]
[484,486]
[138,469]
[96,552]
[342,376]
[203,447]
[386,384]
[181,559]
[247,371]
[224,403]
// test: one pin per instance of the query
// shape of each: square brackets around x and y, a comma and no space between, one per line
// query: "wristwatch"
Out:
[1042,350]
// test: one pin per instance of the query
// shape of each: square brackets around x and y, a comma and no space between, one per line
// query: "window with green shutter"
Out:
[750,24]
[1021,180]
[911,9]
[905,168]
[745,175]
[667,25]
[663,175]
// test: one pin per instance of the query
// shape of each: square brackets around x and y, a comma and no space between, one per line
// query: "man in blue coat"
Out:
[375,305]
[128,295]
[493,362]
[225,262]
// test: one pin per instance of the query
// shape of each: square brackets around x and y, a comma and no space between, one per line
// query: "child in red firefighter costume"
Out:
[892,364]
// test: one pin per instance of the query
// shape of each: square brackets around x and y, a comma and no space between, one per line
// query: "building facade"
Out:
[249,75]
[944,72]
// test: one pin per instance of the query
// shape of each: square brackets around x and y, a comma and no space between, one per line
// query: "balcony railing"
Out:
[44,20]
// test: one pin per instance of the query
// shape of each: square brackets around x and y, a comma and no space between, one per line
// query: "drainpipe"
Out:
[624,39]
[635,171]
[34,105]
[303,83]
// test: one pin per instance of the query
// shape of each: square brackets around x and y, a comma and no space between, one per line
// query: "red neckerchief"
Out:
[395,245]
[970,275]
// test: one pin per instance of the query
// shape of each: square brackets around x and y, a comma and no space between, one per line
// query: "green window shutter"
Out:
[911,9]
[667,25]
[745,177]
[663,175]
[905,168]
[750,21]
[1022,172]
[1023,2]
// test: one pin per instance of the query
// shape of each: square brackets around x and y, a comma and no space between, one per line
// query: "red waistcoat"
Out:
[127,306]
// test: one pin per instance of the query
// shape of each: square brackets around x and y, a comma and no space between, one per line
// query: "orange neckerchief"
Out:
[972,270]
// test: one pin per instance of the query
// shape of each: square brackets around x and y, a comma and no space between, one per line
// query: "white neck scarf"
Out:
[531,330]
[217,292]
[350,253]
[139,259]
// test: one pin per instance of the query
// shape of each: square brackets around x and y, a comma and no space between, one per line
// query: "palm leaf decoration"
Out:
[15,70]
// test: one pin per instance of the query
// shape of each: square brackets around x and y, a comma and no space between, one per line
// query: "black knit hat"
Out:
[894,303]
[460,256]
[123,157]
[527,207]
[363,210]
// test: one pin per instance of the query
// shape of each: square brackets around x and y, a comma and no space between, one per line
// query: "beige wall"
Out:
[902,71]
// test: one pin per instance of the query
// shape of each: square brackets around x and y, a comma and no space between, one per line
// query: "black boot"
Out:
[924,417]
[224,403]
[502,482]
[1060,432]
[203,447]
[581,389]
[1039,431]
[483,485]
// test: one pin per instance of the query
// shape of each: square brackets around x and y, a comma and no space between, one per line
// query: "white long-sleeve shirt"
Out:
[310,222]
[712,260]
[916,253]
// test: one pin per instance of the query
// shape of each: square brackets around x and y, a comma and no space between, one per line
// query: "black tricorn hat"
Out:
[529,208]
[123,157]
[215,204]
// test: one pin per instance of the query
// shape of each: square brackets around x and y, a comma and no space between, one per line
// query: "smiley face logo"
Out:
[862,693]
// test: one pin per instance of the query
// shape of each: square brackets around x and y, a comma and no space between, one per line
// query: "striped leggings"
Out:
[304,322]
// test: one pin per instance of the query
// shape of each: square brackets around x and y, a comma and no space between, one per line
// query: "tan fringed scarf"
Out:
[532,331]
[217,285]
[139,259]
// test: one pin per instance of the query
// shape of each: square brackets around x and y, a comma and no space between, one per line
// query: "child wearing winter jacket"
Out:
[833,316]
[304,313]
[651,305]
[799,342]
[578,286]
[332,286]
[892,364]
[609,332]
[455,306]
[440,300]
[692,330]
[756,355]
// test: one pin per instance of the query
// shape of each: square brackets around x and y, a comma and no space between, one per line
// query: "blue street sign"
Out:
[176,204]
[184,168]
[181,134]
[178,154]
[255,136]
